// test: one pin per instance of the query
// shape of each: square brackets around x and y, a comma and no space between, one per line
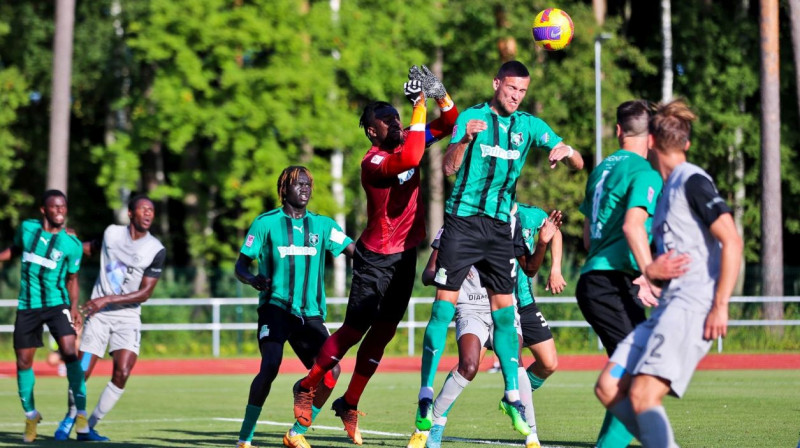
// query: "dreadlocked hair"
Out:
[289,175]
[671,125]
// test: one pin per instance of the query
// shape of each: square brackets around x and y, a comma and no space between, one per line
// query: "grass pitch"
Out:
[722,409]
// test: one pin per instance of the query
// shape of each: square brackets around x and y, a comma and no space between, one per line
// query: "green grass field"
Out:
[723,409]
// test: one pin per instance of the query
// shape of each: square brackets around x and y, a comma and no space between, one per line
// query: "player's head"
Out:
[141,212]
[510,86]
[381,123]
[54,208]
[671,127]
[295,185]
[633,118]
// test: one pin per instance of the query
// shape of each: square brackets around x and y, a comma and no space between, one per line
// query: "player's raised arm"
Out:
[566,153]
[433,88]
[530,263]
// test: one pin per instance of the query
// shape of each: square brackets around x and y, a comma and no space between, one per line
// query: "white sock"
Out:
[452,388]
[425,392]
[108,398]
[71,409]
[526,397]
[512,395]
[32,414]
[655,427]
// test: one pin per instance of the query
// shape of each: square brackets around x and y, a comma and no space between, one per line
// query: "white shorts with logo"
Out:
[669,345]
[480,324]
[102,332]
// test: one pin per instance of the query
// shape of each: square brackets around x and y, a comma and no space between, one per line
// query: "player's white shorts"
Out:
[669,345]
[102,331]
[480,324]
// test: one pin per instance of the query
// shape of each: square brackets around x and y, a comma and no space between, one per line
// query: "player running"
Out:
[290,245]
[487,152]
[48,294]
[384,266]
[474,325]
[131,262]
[660,356]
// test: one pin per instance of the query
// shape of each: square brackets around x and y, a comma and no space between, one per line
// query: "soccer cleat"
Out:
[30,428]
[296,441]
[349,415]
[245,445]
[64,428]
[91,436]
[516,411]
[435,437]
[418,439]
[424,420]
[303,400]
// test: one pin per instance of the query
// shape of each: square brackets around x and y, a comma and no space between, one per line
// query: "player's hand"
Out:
[414,93]
[555,283]
[77,319]
[667,266]
[95,305]
[550,227]
[560,152]
[473,128]
[431,85]
[716,323]
[260,282]
[648,293]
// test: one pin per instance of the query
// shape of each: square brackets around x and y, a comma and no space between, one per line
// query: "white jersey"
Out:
[472,296]
[123,263]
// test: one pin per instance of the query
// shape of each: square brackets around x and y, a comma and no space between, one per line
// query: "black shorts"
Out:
[535,328]
[305,335]
[607,300]
[381,287]
[479,241]
[28,325]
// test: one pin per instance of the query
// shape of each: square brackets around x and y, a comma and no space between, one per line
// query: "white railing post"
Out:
[215,320]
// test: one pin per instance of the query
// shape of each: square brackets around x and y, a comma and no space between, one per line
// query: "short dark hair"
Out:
[289,175]
[514,69]
[368,115]
[136,198]
[671,126]
[633,117]
[51,193]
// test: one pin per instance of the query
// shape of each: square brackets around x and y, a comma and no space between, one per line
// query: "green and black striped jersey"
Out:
[47,258]
[530,219]
[291,252]
[487,179]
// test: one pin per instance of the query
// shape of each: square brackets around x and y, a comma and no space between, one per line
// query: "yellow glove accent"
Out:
[419,117]
[445,103]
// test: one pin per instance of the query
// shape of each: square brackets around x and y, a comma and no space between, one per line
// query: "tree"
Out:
[666,66]
[58,161]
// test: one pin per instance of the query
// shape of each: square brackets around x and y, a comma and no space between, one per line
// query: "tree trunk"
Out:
[435,173]
[666,33]
[794,16]
[600,8]
[771,225]
[339,263]
[58,161]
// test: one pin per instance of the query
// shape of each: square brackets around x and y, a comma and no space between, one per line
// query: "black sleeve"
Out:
[157,266]
[704,199]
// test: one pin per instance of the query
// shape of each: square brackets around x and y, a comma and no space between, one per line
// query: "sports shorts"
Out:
[479,241]
[304,334]
[104,331]
[480,324]
[607,300]
[669,345]
[534,326]
[29,325]
[381,287]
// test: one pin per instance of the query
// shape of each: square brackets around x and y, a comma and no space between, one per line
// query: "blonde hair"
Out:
[289,175]
[671,125]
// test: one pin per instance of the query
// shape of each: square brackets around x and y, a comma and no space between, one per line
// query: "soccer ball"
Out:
[552,29]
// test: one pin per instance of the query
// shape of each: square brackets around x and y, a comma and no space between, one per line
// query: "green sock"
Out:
[435,339]
[77,382]
[300,429]
[536,382]
[251,414]
[506,345]
[613,434]
[25,382]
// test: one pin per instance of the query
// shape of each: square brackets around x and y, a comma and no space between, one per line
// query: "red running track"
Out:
[395,364]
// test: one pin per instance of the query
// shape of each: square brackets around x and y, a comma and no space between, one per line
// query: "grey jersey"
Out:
[123,263]
[689,204]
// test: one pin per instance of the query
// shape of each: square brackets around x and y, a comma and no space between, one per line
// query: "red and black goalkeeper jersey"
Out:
[395,213]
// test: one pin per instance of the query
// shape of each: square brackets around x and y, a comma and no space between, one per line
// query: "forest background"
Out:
[201,104]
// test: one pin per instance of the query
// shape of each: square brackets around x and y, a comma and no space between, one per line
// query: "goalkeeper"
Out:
[384,265]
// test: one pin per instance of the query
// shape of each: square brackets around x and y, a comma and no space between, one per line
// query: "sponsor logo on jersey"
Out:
[293,251]
[498,152]
[517,138]
[376,159]
[299,229]
[405,176]
[249,241]
[313,239]
[28,257]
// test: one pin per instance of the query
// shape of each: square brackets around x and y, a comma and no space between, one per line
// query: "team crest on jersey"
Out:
[517,139]
[313,239]
[405,176]
[56,255]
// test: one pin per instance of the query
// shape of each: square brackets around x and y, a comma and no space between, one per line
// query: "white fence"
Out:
[216,327]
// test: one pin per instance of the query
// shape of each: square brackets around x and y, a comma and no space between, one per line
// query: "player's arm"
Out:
[242,271]
[92,247]
[587,236]
[432,87]
[556,283]
[724,230]
[410,154]
[72,291]
[530,263]
[9,253]
[454,155]
[567,153]
[149,280]
[429,272]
